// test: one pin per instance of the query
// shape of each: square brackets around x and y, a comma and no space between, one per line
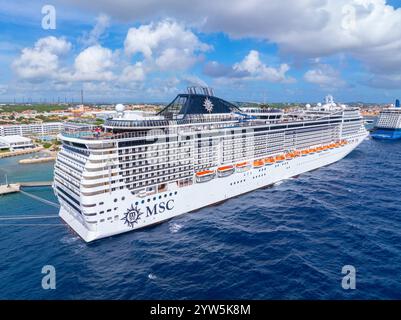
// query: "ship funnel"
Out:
[397,103]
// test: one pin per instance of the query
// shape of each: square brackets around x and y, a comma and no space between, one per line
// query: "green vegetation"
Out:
[56,142]
[99,122]
[4,150]
[47,145]
[37,107]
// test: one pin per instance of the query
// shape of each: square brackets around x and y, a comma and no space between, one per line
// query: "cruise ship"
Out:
[388,125]
[199,150]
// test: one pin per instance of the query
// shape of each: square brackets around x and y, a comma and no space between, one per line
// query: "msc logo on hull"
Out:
[159,208]
[133,214]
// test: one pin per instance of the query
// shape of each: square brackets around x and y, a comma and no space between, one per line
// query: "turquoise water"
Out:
[25,172]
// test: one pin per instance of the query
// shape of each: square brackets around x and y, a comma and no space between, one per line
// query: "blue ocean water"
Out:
[285,242]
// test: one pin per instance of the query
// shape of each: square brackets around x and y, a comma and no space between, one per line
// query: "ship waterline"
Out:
[198,151]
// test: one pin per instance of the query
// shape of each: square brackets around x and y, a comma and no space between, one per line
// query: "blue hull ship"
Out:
[386,134]
[388,126]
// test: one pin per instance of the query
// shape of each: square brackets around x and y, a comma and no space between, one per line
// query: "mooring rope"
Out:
[40,199]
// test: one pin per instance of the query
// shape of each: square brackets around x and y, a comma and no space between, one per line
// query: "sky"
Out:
[149,51]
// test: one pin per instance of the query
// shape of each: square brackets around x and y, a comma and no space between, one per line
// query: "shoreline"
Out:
[20,152]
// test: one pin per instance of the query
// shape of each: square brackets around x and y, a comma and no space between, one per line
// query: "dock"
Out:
[16,187]
[36,160]
[9,188]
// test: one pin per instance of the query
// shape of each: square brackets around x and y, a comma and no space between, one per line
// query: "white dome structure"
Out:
[120,108]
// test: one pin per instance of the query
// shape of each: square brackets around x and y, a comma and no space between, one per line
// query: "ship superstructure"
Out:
[388,124]
[199,150]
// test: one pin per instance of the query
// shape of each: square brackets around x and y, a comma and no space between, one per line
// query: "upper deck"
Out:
[196,112]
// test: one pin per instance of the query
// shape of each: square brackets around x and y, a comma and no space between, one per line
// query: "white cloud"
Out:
[133,73]
[93,37]
[42,61]
[259,71]
[192,80]
[94,64]
[175,59]
[250,68]
[325,76]
[168,44]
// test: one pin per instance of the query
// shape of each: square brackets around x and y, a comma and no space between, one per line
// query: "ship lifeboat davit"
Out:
[225,171]
[204,176]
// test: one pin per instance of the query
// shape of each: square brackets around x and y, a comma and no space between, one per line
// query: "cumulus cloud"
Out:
[259,71]
[169,44]
[133,73]
[94,63]
[325,76]
[42,60]
[250,68]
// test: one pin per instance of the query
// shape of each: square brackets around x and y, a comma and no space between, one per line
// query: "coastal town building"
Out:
[15,142]
[47,128]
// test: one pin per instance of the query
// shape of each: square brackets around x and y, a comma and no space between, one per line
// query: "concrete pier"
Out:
[9,188]
[16,187]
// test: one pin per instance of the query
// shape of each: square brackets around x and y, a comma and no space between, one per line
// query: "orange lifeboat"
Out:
[304,153]
[269,161]
[297,153]
[289,156]
[225,171]
[258,163]
[204,176]
[204,173]
[242,166]
[280,158]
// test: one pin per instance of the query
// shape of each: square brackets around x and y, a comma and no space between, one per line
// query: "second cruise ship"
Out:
[388,125]
[199,150]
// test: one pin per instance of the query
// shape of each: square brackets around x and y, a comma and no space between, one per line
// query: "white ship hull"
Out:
[179,200]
